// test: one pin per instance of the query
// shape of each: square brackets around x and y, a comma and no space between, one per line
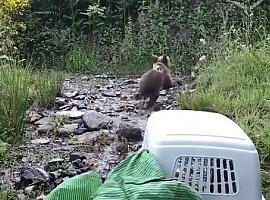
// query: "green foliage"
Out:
[19,88]
[238,86]
[8,193]
[14,102]
[120,35]
[3,151]
[79,60]
[12,13]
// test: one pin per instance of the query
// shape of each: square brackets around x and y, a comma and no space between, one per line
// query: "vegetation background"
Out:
[226,43]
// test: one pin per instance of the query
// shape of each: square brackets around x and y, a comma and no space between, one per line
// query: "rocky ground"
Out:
[95,123]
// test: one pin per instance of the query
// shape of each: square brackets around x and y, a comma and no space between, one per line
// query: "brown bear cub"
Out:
[151,82]
[165,60]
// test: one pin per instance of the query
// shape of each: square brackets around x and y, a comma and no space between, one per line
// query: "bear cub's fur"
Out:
[155,79]
[167,80]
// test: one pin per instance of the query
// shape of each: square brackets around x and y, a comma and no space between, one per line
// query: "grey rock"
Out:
[109,86]
[85,78]
[80,104]
[41,141]
[56,160]
[70,114]
[72,171]
[76,155]
[162,92]
[29,189]
[33,116]
[65,107]
[80,97]
[41,197]
[67,128]
[45,128]
[129,82]
[80,131]
[60,101]
[109,94]
[88,136]
[42,121]
[30,174]
[21,196]
[55,174]
[95,120]
[129,132]
[77,121]
[70,94]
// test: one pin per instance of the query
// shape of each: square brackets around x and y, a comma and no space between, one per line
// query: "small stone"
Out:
[95,120]
[34,116]
[29,174]
[118,93]
[77,121]
[44,120]
[88,136]
[70,94]
[80,131]
[59,101]
[76,155]
[109,94]
[65,107]
[67,129]
[55,174]
[129,82]
[132,134]
[21,196]
[45,128]
[109,87]
[56,160]
[80,104]
[41,141]
[85,78]
[80,97]
[162,92]
[41,197]
[72,172]
[77,163]
[71,113]
[29,189]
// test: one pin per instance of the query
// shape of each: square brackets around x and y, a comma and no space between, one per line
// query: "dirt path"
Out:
[95,123]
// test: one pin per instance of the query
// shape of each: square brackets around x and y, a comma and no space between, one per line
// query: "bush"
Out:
[119,36]
[238,86]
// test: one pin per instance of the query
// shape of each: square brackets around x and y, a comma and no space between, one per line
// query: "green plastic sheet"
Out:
[138,177]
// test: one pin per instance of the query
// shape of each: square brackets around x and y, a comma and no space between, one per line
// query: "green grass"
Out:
[19,89]
[8,193]
[238,87]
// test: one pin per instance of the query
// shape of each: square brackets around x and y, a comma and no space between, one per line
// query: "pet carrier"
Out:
[206,150]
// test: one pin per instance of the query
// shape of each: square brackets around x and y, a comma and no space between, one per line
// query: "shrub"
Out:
[238,86]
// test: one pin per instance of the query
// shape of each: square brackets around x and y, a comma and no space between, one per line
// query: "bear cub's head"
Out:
[164,59]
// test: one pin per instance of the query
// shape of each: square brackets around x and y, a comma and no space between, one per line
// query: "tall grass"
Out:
[238,86]
[13,102]
[19,89]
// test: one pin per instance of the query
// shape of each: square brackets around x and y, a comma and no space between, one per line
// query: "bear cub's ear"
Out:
[165,60]
[154,58]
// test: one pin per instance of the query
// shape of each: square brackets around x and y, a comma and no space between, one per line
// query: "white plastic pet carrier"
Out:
[206,150]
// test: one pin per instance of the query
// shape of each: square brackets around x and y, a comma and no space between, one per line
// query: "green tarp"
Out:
[138,177]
